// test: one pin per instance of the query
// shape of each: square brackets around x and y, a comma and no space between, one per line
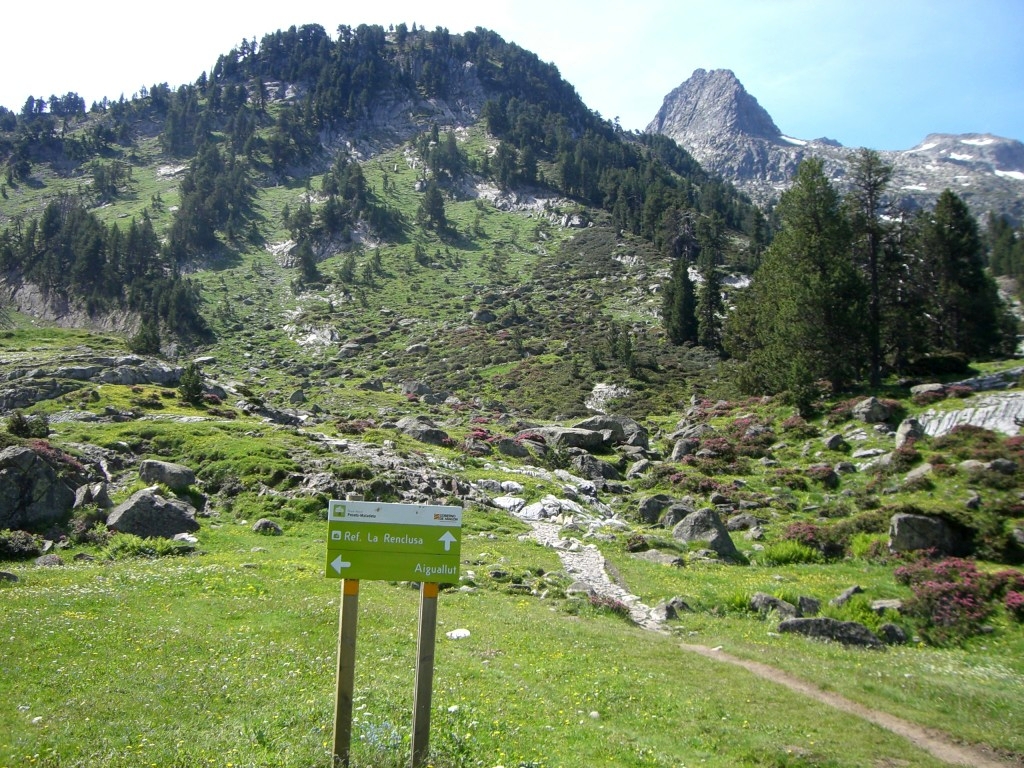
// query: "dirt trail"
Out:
[585,563]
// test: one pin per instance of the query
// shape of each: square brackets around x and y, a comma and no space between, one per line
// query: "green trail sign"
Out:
[393,542]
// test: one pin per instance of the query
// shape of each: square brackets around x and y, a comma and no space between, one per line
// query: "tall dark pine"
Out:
[805,307]
[869,178]
[679,305]
[965,309]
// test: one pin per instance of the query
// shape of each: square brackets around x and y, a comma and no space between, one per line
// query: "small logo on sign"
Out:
[447,517]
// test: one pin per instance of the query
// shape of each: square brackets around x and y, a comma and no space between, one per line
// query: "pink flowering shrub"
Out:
[951,599]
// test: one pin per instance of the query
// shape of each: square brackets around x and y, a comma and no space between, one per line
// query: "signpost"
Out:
[391,542]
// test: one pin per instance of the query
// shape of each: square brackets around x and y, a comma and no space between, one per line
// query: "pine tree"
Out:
[802,318]
[869,178]
[679,306]
[711,237]
[965,309]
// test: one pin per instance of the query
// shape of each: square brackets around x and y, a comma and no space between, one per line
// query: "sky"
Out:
[875,73]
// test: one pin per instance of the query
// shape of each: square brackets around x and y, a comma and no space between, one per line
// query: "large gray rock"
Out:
[764,603]
[422,429]
[871,411]
[567,437]
[175,476]
[650,508]
[909,532]
[594,468]
[147,514]
[32,497]
[623,429]
[845,632]
[705,526]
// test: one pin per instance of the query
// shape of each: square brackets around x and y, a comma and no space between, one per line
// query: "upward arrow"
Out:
[448,540]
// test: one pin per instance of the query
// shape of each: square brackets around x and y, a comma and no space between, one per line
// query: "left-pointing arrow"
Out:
[338,563]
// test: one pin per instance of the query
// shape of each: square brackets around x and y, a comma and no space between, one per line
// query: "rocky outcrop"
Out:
[712,116]
[32,497]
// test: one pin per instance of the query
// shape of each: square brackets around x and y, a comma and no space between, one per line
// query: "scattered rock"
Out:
[667,610]
[871,411]
[10,577]
[909,429]
[844,598]
[764,603]
[836,443]
[457,634]
[845,632]
[881,606]
[148,514]
[657,556]
[266,527]
[706,526]
[49,561]
[808,606]
[175,476]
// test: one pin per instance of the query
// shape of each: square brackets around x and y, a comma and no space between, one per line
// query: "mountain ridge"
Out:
[713,117]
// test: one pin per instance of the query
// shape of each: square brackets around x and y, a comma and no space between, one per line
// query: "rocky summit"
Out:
[712,116]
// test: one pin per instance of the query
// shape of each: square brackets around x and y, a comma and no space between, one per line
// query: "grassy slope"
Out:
[210,661]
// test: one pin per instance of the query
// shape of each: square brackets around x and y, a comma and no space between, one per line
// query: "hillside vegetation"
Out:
[400,264]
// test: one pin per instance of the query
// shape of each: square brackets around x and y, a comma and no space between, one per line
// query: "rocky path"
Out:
[585,563]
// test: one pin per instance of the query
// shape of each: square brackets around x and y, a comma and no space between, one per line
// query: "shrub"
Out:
[951,599]
[798,427]
[1014,602]
[127,545]
[790,552]
[20,425]
[873,547]
[606,604]
[20,545]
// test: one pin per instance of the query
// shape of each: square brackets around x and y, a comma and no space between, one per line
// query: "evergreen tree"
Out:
[869,178]
[679,306]
[191,385]
[711,238]
[802,317]
[964,313]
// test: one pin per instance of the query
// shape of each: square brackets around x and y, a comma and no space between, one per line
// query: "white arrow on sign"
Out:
[448,540]
[337,564]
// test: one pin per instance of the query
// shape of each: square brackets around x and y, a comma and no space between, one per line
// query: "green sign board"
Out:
[393,542]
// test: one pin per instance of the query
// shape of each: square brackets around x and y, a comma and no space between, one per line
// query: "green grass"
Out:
[229,658]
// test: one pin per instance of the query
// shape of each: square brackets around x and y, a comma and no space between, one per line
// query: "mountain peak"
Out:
[709,103]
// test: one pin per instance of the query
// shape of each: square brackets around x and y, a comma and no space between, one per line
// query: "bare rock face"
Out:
[713,118]
[32,497]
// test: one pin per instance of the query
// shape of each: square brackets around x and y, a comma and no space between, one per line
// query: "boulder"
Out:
[266,527]
[650,508]
[808,606]
[683,447]
[567,437]
[147,514]
[32,497]
[871,411]
[846,594]
[845,632]
[764,603]
[676,512]
[422,429]
[666,610]
[593,468]
[623,429]
[910,532]
[51,560]
[909,429]
[705,526]
[175,476]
